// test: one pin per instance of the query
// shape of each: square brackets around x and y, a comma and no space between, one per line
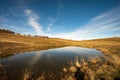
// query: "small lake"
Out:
[45,60]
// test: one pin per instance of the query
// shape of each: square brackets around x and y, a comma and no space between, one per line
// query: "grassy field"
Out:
[94,69]
[107,45]
[15,43]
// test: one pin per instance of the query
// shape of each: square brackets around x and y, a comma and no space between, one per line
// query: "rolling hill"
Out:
[12,43]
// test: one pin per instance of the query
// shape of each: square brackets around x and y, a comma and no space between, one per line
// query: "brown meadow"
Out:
[94,68]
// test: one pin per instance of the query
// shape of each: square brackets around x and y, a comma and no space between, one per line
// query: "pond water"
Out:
[44,61]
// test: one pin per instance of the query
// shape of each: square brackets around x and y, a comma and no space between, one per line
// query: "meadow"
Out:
[93,69]
[11,43]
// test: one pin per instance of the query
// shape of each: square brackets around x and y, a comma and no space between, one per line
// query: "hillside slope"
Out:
[11,43]
[107,45]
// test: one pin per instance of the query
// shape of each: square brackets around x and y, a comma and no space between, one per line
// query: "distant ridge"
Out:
[6,31]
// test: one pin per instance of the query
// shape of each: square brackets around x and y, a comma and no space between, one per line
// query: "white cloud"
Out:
[51,23]
[97,27]
[12,12]
[33,21]
[9,26]
[53,20]
[49,28]
[60,5]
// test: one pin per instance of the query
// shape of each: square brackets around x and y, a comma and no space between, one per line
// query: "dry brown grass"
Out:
[94,69]
[108,45]
[110,70]
[28,74]
[15,43]
[1,66]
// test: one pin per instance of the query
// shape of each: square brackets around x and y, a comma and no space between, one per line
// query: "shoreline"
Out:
[33,48]
[16,43]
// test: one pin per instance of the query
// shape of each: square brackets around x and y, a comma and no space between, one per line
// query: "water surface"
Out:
[46,60]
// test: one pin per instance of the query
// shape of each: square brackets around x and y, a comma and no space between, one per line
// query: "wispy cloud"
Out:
[33,21]
[11,27]
[98,26]
[51,23]
[59,8]
[103,25]
[1,19]
[12,12]
[53,20]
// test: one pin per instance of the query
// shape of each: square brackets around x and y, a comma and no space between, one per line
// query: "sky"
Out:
[69,19]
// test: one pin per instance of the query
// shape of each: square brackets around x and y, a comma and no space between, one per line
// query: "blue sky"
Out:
[69,19]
